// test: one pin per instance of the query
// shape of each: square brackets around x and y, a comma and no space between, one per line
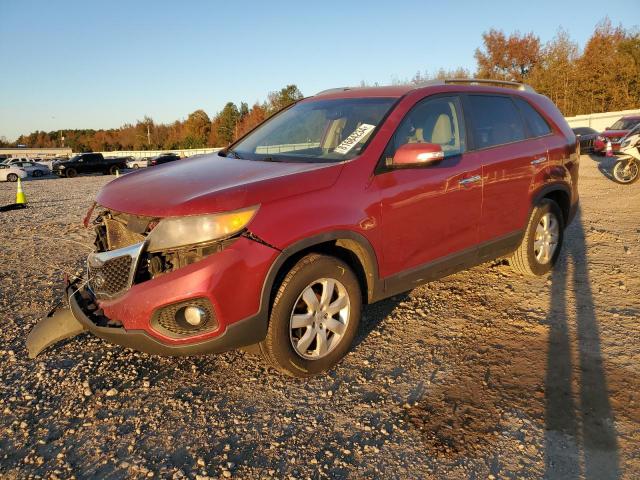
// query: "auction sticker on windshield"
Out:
[353,139]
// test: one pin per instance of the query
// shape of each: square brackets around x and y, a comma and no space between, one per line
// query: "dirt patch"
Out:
[482,373]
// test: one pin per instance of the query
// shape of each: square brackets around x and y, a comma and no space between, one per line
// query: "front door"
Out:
[429,214]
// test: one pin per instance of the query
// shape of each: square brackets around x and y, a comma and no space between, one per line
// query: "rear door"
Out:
[510,158]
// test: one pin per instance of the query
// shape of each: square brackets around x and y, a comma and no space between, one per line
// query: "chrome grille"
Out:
[111,273]
[111,278]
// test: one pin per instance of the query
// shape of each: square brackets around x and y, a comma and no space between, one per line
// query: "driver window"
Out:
[433,120]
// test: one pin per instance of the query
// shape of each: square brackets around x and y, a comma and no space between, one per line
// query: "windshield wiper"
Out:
[270,159]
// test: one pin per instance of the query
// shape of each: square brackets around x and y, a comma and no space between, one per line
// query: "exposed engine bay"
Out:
[116,230]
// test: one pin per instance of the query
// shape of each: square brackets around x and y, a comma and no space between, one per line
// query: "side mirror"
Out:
[417,155]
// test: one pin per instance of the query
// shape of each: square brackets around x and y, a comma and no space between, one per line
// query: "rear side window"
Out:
[538,126]
[495,120]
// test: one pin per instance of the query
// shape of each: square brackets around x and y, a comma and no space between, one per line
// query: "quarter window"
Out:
[433,120]
[538,126]
[495,120]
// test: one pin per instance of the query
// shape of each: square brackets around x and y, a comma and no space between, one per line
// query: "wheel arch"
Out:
[559,193]
[349,246]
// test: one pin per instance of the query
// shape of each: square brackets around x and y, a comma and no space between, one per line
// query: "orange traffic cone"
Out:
[609,150]
[21,198]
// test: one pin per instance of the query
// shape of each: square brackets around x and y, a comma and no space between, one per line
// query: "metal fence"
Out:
[185,152]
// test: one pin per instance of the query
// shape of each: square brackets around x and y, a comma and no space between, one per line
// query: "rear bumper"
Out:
[245,332]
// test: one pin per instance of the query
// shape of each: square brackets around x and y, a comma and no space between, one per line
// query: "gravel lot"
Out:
[484,374]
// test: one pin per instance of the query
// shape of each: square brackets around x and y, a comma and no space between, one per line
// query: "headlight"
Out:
[182,231]
[61,167]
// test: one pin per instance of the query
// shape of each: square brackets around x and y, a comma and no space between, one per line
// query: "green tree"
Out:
[283,98]
[196,129]
[226,123]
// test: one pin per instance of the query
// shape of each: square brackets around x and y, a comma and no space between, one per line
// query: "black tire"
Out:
[37,173]
[113,169]
[71,173]
[12,177]
[626,177]
[524,259]
[136,166]
[277,348]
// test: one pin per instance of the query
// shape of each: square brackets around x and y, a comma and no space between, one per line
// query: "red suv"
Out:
[340,200]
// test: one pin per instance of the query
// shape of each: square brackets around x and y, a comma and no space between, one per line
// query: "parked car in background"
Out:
[163,158]
[11,173]
[614,134]
[586,136]
[88,163]
[32,168]
[138,163]
[345,198]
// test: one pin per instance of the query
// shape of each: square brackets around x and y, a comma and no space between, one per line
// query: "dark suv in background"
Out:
[342,199]
[163,158]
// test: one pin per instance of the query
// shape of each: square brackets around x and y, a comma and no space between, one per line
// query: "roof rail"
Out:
[333,90]
[483,81]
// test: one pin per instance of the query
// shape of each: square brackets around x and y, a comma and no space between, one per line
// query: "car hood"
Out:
[212,184]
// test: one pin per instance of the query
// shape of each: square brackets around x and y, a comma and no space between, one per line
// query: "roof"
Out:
[396,91]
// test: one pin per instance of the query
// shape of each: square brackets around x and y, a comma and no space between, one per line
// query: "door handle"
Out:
[538,161]
[468,180]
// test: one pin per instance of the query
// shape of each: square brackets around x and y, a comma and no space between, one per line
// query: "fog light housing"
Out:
[186,318]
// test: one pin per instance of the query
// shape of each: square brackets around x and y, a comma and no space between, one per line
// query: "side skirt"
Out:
[409,279]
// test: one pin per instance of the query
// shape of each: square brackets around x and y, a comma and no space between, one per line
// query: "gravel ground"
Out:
[484,374]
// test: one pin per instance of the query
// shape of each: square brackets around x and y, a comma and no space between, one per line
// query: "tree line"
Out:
[604,76]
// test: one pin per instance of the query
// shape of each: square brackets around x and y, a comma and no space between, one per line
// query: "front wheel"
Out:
[71,173]
[136,166]
[542,241]
[314,317]
[626,171]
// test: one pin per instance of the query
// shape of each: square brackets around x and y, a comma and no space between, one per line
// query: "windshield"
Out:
[625,124]
[320,130]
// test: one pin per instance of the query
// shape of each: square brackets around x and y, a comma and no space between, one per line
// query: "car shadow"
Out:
[374,314]
[605,165]
[580,434]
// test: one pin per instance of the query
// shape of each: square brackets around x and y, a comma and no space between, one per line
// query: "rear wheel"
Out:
[113,169]
[12,177]
[136,166]
[314,317]
[626,171]
[540,247]
[71,173]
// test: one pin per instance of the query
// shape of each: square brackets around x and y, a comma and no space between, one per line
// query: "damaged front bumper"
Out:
[227,285]
[239,334]
[79,317]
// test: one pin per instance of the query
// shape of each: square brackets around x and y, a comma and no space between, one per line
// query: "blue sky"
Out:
[68,64]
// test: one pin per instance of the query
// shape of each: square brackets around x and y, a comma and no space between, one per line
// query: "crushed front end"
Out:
[166,287]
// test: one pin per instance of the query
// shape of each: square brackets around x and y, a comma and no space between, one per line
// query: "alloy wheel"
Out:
[319,318]
[546,238]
